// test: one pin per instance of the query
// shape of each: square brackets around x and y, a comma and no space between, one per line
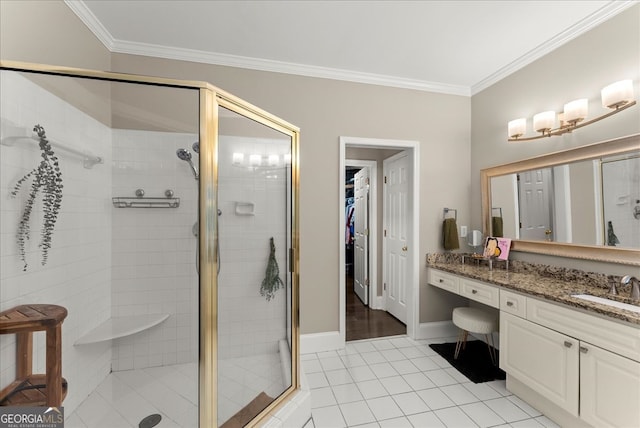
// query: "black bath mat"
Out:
[474,361]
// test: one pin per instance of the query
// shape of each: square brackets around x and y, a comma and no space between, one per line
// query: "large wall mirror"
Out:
[582,203]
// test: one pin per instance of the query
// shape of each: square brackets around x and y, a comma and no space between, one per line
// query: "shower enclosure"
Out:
[162,216]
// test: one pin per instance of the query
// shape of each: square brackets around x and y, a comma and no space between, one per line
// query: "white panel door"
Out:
[396,217]
[361,232]
[609,388]
[544,360]
[535,189]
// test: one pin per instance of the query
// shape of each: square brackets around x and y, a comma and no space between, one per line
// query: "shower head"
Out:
[185,155]
[196,147]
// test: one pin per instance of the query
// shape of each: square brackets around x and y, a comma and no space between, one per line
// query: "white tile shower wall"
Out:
[77,274]
[154,249]
[248,324]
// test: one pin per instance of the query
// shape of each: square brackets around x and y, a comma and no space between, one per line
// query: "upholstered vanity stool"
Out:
[474,320]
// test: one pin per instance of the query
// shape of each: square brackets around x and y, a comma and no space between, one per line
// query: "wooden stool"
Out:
[35,389]
[474,320]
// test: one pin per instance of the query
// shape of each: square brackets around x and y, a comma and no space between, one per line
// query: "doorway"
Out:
[365,270]
[365,318]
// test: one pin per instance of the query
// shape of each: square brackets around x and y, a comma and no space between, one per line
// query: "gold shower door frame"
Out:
[211,99]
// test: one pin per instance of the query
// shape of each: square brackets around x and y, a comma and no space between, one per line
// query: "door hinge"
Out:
[385,233]
[367,180]
[366,232]
[385,179]
[366,282]
[384,286]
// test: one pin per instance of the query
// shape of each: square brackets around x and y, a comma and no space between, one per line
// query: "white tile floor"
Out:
[399,382]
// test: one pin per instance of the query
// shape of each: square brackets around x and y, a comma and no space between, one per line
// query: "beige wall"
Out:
[580,68]
[48,32]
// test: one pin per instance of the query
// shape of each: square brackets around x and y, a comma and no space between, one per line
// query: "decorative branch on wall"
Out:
[271,282]
[45,178]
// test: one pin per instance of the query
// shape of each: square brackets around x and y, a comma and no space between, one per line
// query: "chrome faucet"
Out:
[635,286]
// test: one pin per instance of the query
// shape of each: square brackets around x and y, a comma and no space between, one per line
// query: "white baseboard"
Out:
[436,329]
[320,342]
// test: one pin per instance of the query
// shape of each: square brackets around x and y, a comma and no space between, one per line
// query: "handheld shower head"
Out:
[196,147]
[185,155]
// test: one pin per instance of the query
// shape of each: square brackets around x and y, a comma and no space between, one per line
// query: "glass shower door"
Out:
[254,280]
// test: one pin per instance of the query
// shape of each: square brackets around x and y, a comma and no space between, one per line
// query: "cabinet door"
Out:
[544,360]
[609,388]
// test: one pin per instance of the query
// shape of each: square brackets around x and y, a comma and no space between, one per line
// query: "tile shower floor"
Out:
[124,398]
[399,382]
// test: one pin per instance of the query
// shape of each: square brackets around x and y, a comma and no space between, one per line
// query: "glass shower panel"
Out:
[254,283]
[108,236]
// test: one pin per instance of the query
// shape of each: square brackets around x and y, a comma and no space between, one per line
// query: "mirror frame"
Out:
[612,147]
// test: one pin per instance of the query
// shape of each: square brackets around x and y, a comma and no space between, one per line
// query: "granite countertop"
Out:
[549,283]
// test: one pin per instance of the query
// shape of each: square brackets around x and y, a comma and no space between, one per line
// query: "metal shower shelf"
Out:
[130,202]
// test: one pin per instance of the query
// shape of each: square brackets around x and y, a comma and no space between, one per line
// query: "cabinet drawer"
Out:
[480,292]
[513,303]
[444,280]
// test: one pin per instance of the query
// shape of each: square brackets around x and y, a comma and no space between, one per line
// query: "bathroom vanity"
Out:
[576,360]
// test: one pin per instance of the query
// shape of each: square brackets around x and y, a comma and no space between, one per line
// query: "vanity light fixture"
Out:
[544,122]
[617,96]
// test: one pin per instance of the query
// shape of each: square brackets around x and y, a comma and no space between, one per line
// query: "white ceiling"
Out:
[456,47]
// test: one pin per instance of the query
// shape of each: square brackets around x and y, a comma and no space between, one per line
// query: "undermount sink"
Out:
[609,302]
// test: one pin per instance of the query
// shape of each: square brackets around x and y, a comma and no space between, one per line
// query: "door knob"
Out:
[405,248]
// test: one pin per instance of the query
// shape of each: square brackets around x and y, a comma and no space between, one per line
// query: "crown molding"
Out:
[144,49]
[89,19]
[603,14]
[158,51]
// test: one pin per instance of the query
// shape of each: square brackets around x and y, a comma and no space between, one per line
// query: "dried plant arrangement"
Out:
[46,179]
[271,282]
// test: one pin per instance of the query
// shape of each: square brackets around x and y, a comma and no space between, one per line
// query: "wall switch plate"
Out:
[463,231]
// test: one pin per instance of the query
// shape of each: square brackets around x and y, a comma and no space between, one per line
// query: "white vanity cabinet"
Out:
[609,388]
[545,360]
[552,353]
[582,368]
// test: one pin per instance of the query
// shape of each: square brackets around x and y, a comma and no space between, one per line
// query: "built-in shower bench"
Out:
[114,328]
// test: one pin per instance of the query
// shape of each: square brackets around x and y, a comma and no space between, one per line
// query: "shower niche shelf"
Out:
[127,202]
[114,328]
